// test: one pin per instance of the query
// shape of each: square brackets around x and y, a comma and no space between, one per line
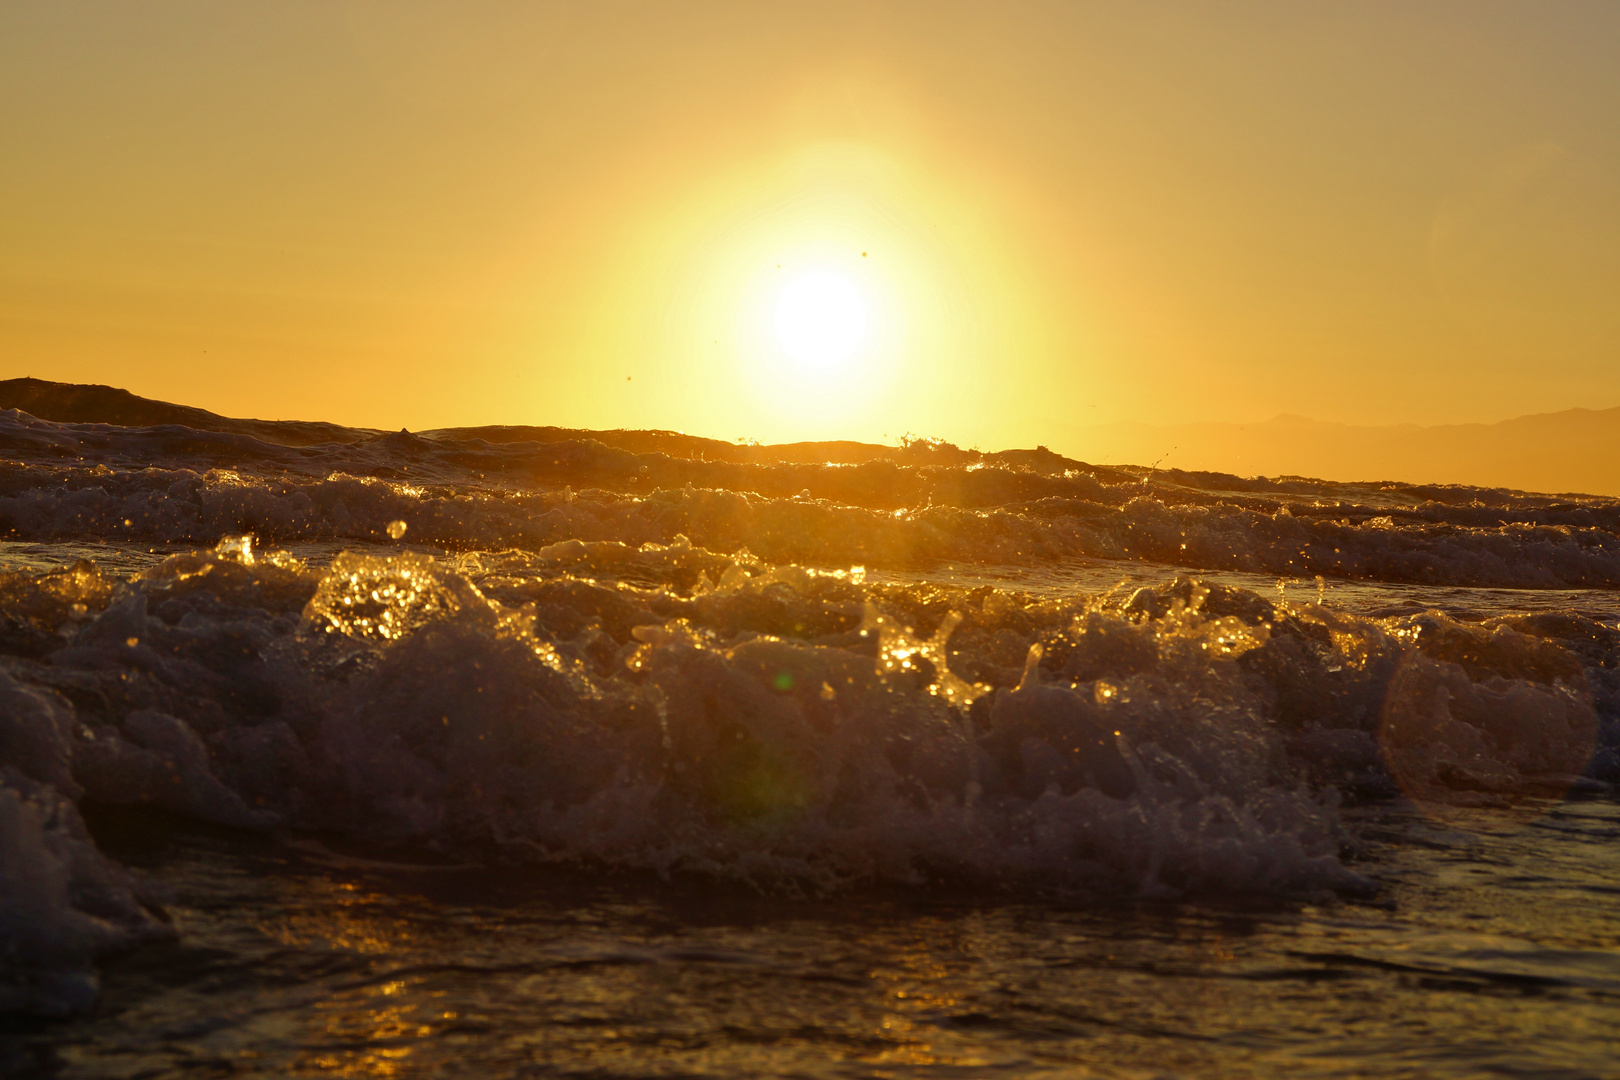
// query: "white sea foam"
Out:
[750,730]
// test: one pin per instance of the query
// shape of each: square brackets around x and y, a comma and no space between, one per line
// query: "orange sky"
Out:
[406,214]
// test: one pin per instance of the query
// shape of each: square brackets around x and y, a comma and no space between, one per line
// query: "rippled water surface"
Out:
[1492,952]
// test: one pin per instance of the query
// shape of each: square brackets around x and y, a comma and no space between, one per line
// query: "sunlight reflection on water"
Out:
[1494,949]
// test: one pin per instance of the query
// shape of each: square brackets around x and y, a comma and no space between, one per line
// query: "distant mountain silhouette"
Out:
[89,403]
[76,403]
[1577,450]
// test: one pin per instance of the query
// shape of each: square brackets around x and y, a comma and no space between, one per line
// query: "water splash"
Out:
[384,598]
[902,649]
[235,549]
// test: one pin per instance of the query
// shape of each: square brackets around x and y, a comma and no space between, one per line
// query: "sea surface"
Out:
[534,752]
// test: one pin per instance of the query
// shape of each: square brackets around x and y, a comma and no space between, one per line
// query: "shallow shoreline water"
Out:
[1488,953]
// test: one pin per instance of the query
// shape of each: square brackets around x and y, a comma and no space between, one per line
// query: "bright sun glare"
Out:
[821,319]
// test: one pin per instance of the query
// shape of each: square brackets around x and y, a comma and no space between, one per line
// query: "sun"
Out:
[821,319]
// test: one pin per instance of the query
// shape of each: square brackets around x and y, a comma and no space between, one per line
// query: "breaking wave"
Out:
[630,660]
[917,507]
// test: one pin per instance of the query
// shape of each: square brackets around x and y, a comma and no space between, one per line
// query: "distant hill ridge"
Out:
[90,403]
[1577,450]
[77,403]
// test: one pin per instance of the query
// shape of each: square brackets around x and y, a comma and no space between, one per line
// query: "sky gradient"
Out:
[1059,214]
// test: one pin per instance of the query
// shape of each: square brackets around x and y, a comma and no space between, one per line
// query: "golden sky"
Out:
[395,213]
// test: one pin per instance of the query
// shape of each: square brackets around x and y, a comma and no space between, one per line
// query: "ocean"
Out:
[535,752]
